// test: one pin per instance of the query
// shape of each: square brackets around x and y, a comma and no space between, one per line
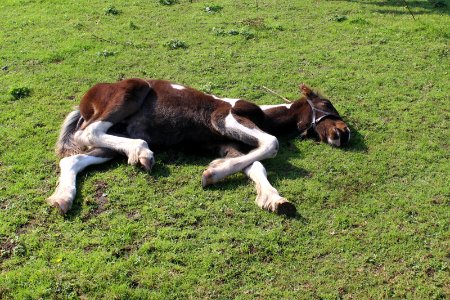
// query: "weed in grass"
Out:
[132,25]
[233,32]
[339,18]
[168,2]
[113,11]
[19,92]
[106,53]
[275,26]
[175,44]
[78,26]
[243,31]
[247,33]
[211,9]
[218,31]
[359,21]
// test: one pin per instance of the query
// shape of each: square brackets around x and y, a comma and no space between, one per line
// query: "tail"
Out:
[66,145]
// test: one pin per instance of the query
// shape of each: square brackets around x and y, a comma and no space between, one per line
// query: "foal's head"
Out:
[325,122]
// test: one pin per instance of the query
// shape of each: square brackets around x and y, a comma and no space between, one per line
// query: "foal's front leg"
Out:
[242,130]
[267,197]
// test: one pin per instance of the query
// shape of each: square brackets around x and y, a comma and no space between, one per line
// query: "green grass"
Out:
[374,217]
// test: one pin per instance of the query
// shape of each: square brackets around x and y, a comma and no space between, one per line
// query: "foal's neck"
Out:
[283,118]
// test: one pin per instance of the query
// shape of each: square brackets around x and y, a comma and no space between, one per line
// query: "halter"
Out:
[316,120]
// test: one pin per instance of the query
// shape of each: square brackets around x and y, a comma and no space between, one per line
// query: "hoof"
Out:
[147,163]
[285,208]
[63,206]
[207,178]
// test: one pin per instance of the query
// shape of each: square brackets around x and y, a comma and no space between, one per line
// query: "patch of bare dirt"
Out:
[7,248]
[101,198]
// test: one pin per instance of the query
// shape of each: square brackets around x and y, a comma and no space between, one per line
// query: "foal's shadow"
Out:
[357,142]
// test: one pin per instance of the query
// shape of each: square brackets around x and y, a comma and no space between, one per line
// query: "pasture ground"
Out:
[374,217]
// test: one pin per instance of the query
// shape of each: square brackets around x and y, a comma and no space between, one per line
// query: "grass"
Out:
[374,217]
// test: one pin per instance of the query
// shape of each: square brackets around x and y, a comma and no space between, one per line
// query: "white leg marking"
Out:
[95,135]
[267,197]
[177,87]
[267,194]
[220,168]
[66,190]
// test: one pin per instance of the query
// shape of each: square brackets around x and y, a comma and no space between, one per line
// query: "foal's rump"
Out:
[113,102]
[107,102]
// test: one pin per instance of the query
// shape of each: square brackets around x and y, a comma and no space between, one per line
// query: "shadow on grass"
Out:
[391,6]
[357,142]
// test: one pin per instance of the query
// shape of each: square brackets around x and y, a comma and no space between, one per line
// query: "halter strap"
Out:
[315,120]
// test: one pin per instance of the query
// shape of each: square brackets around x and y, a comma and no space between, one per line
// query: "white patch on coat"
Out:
[178,87]
[265,107]
[231,101]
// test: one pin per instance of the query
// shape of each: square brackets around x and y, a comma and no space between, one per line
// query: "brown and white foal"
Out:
[132,116]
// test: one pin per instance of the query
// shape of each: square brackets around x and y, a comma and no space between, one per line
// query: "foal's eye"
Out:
[327,103]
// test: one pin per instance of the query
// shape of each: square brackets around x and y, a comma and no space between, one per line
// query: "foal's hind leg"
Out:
[137,151]
[70,166]
[242,130]
[267,197]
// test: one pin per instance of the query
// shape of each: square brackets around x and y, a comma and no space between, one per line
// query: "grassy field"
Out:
[374,217]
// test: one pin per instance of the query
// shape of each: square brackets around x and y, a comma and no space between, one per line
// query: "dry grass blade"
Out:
[276,94]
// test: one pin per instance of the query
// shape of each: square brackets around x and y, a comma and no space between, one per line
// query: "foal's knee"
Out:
[270,146]
[92,133]
[68,162]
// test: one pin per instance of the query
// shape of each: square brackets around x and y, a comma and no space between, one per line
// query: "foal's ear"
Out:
[305,90]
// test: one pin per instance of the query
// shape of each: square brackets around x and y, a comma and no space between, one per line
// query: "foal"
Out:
[132,116]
